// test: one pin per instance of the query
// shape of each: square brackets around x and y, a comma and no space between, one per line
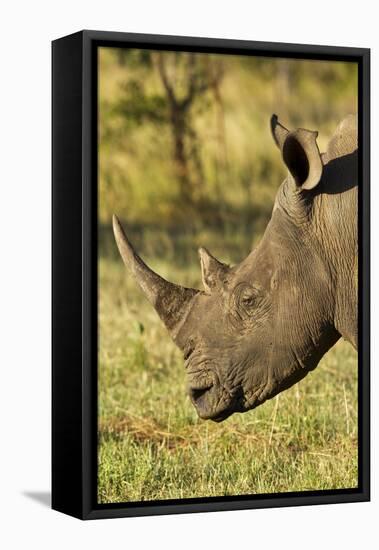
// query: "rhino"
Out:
[261,326]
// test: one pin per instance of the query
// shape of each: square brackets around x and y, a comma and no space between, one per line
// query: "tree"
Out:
[185,78]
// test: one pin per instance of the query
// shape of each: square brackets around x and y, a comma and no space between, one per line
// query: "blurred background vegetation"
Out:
[186,159]
[185,144]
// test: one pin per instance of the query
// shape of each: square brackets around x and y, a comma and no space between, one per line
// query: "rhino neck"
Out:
[326,221]
[334,224]
[318,240]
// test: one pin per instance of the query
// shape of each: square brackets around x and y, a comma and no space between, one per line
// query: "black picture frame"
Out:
[74,273]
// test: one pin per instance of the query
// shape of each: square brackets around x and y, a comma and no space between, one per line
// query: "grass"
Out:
[152,444]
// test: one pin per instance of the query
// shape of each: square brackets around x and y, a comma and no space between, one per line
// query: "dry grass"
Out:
[153,446]
[151,443]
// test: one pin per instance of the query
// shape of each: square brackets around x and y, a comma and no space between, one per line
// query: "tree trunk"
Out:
[180,157]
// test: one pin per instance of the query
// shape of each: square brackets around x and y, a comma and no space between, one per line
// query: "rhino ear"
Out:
[302,157]
[300,153]
[278,131]
[212,271]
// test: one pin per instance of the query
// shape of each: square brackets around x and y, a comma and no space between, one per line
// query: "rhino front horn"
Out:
[172,302]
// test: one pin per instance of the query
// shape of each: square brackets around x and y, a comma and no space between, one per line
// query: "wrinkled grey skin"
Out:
[260,326]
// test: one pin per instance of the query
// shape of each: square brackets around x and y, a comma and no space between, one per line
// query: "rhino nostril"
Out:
[197,394]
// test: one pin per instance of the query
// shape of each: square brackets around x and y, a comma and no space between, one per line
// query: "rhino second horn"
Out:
[212,271]
[172,302]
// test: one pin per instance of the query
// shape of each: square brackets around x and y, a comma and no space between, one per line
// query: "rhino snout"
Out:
[211,401]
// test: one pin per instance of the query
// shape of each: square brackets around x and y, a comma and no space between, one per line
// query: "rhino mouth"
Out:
[212,401]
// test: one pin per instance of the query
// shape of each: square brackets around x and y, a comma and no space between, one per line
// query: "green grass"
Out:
[152,444]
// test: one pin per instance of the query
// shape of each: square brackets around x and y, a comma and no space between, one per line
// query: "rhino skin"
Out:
[261,326]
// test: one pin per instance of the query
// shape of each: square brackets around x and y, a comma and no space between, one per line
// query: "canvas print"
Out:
[227,275]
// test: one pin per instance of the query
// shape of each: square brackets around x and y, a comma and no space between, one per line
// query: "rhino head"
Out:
[258,327]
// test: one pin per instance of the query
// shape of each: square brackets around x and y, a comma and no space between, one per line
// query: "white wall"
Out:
[26,31]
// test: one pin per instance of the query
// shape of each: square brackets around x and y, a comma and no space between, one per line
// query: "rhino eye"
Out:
[248,298]
[248,301]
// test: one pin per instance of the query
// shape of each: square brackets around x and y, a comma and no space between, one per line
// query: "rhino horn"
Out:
[213,272]
[172,302]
